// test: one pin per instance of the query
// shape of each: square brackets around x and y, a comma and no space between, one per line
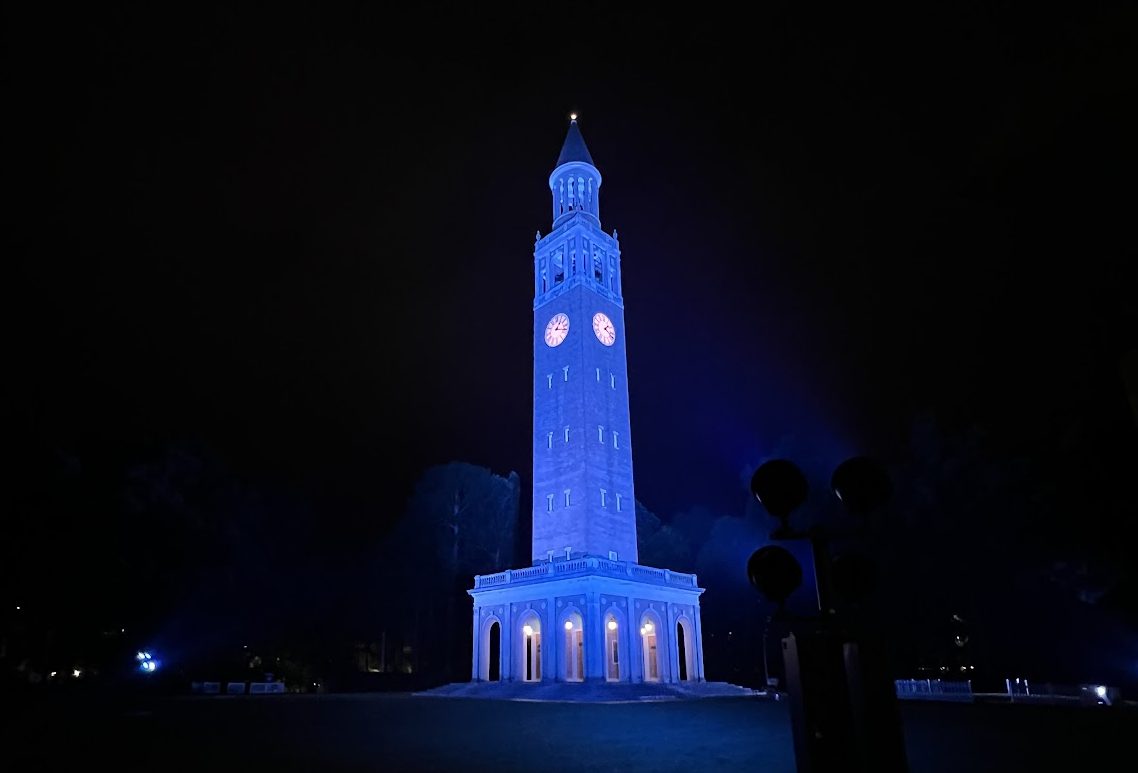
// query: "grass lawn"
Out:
[403,732]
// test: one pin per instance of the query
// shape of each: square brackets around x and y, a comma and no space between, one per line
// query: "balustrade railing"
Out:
[587,564]
[533,571]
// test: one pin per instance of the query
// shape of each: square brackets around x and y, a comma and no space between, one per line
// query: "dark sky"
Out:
[304,239]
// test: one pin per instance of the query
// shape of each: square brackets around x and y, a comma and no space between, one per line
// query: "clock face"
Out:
[557,329]
[602,326]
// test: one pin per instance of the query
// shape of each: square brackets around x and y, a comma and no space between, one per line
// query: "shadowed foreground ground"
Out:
[404,732]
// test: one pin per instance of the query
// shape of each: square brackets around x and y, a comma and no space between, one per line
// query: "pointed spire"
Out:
[574,148]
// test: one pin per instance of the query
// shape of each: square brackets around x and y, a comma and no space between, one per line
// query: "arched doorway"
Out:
[494,653]
[681,646]
[574,649]
[612,649]
[649,641]
[531,649]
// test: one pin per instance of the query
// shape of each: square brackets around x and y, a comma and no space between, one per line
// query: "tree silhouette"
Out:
[460,520]
[659,544]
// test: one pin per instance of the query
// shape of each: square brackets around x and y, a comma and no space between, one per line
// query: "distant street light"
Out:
[146,662]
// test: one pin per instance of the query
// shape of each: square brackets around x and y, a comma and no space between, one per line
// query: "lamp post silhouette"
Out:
[843,701]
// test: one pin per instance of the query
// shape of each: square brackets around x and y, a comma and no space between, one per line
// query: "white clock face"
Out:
[602,326]
[557,329]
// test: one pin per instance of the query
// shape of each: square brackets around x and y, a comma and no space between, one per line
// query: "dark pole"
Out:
[843,701]
[863,487]
[823,574]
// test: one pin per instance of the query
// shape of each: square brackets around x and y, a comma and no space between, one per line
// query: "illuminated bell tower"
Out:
[583,498]
[585,609]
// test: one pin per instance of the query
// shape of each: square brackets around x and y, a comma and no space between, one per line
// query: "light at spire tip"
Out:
[572,116]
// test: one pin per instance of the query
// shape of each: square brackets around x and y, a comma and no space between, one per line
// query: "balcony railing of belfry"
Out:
[586,565]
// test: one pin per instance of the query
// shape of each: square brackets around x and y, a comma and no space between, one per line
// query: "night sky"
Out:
[303,240]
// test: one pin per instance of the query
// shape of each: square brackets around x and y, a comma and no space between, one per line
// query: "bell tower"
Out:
[585,609]
[583,497]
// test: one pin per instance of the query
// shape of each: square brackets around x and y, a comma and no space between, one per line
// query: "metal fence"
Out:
[934,689]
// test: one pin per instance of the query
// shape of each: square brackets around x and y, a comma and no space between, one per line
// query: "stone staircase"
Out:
[588,692]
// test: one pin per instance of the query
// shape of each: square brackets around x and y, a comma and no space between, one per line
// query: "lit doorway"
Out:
[651,651]
[574,649]
[531,650]
[612,649]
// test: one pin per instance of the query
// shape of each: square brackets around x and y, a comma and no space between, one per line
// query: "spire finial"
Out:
[574,148]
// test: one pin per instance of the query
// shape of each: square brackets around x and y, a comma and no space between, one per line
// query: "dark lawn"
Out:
[402,732]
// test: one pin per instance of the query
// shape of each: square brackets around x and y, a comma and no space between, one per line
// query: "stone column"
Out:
[474,675]
[594,647]
[634,652]
[506,648]
[555,646]
[697,651]
[673,645]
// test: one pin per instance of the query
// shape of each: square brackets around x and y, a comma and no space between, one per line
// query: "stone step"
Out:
[587,692]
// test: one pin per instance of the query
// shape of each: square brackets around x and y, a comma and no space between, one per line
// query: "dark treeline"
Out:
[987,561]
